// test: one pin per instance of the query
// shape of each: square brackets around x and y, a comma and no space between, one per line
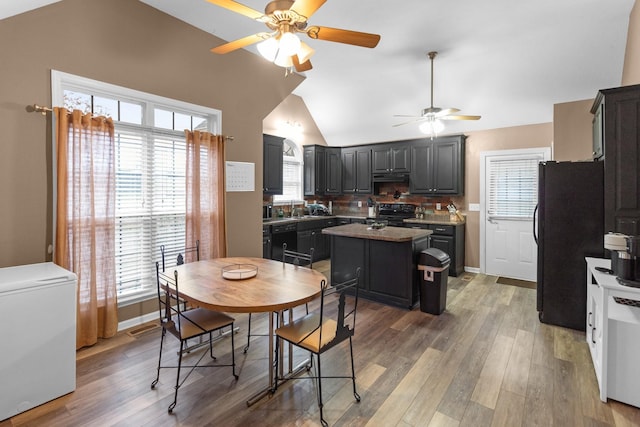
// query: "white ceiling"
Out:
[508,61]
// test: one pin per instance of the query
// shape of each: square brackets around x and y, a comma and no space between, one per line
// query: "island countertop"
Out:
[389,234]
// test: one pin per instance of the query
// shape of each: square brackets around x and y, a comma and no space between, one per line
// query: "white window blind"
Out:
[291,174]
[150,206]
[513,188]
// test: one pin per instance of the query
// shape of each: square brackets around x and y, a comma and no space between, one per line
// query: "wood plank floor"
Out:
[486,361]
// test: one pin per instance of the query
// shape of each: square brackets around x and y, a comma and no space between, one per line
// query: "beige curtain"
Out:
[205,194]
[85,218]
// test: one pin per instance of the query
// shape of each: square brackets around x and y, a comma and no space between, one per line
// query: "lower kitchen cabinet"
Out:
[310,236]
[266,241]
[449,239]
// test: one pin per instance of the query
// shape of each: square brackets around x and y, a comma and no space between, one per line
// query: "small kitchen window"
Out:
[291,174]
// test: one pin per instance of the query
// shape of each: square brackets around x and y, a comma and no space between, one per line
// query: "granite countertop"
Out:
[389,234]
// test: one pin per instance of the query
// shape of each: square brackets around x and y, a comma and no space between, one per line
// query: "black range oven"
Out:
[395,213]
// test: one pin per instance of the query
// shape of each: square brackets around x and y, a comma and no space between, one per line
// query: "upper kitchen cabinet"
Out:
[618,113]
[272,166]
[322,170]
[391,158]
[356,170]
[437,166]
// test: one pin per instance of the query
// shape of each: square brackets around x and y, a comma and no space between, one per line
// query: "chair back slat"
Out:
[297,258]
[182,254]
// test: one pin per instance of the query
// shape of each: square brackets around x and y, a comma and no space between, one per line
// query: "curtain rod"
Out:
[35,108]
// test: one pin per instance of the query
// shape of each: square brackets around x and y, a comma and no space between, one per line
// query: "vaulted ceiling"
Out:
[508,61]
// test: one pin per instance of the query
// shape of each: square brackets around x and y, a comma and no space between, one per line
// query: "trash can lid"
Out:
[434,257]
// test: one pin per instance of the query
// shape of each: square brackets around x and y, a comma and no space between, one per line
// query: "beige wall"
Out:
[631,71]
[130,44]
[572,130]
[294,110]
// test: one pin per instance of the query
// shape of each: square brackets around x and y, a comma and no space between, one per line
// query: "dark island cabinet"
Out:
[437,166]
[389,269]
[322,170]
[272,164]
[356,170]
[617,130]
[391,158]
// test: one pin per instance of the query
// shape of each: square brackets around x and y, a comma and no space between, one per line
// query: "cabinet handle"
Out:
[592,339]
[589,318]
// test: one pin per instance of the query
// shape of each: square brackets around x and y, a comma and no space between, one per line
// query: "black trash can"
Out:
[434,264]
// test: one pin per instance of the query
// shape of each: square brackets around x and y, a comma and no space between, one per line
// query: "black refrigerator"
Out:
[569,227]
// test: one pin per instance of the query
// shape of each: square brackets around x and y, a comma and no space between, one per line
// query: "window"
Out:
[150,172]
[291,174]
[513,187]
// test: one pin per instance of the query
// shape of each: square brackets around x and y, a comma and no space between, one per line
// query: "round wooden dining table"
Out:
[275,287]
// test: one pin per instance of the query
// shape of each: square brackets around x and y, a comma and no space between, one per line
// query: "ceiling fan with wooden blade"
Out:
[431,116]
[285,18]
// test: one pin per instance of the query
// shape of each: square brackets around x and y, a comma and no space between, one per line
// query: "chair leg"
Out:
[275,364]
[210,345]
[153,384]
[353,372]
[233,355]
[248,333]
[322,420]
[175,396]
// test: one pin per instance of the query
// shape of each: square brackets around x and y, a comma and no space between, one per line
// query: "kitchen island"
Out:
[387,257]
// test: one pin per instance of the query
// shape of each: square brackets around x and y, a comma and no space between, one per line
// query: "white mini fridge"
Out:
[38,336]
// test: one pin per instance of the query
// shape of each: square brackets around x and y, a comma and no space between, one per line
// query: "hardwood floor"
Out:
[486,361]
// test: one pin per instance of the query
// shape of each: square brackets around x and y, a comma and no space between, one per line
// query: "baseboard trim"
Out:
[137,321]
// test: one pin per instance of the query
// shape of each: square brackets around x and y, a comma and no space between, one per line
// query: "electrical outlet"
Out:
[438,206]
[359,203]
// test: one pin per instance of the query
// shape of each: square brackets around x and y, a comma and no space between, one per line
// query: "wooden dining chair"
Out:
[291,257]
[319,332]
[185,325]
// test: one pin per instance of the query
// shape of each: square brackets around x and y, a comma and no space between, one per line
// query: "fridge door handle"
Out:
[535,237]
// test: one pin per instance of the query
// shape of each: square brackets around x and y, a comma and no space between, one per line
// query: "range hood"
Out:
[391,177]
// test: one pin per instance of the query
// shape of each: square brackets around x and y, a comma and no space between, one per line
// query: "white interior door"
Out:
[509,193]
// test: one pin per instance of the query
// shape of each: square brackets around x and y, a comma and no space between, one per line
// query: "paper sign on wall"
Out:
[240,176]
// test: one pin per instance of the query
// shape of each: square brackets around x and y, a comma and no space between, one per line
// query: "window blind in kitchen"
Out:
[291,174]
[513,187]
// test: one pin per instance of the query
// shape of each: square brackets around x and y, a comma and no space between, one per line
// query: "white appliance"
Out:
[38,335]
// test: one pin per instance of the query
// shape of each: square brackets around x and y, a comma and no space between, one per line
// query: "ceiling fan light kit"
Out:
[285,18]
[431,118]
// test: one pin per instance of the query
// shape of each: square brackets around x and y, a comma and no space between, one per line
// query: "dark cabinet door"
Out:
[314,170]
[420,180]
[380,159]
[437,167]
[266,247]
[272,164]
[348,170]
[363,171]
[333,176]
[448,164]
[356,170]
[620,115]
[388,158]
[305,241]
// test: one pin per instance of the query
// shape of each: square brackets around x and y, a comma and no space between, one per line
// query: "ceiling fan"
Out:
[432,116]
[285,18]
